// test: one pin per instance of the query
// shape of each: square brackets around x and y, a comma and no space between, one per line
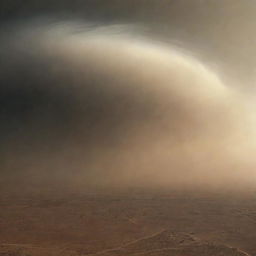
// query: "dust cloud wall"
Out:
[92,105]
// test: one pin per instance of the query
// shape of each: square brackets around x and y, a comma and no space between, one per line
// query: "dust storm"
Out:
[94,105]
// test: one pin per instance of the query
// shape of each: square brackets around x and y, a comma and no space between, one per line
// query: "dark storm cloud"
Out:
[42,88]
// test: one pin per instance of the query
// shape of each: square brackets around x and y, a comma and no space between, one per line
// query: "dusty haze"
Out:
[92,105]
[127,127]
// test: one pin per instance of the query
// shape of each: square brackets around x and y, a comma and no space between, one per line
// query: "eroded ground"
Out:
[128,223]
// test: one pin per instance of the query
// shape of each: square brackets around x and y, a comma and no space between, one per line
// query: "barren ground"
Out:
[128,223]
